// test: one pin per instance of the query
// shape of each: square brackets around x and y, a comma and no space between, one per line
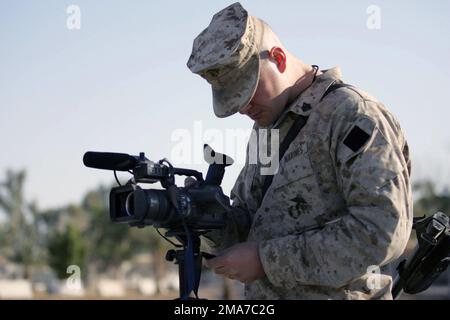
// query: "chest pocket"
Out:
[295,187]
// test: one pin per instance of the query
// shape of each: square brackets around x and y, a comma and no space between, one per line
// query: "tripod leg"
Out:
[198,271]
[182,274]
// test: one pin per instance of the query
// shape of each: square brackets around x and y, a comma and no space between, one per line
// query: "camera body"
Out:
[195,206]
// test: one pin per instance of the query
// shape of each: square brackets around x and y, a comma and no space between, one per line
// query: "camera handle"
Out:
[188,281]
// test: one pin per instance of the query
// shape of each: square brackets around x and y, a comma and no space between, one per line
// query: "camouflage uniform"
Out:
[341,199]
[331,211]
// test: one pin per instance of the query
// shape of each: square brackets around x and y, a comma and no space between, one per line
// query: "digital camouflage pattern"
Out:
[340,202]
[226,54]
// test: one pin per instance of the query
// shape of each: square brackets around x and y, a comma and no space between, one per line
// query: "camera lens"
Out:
[144,206]
[159,208]
[149,205]
[129,204]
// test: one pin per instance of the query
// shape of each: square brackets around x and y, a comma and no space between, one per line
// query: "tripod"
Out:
[189,262]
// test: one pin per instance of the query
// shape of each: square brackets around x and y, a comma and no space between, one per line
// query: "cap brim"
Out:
[229,100]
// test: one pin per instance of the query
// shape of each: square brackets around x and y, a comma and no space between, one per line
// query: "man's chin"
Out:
[263,122]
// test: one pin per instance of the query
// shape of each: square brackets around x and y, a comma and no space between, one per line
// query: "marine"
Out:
[339,204]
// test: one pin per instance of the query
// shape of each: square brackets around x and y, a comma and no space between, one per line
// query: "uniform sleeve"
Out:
[371,171]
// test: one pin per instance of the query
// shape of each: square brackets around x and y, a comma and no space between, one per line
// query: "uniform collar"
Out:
[306,101]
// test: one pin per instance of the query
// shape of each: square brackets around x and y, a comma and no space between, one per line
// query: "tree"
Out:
[109,244]
[20,233]
[66,248]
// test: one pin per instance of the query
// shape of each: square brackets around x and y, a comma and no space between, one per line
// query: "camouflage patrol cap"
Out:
[226,54]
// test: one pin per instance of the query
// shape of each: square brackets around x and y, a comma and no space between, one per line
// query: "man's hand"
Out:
[240,262]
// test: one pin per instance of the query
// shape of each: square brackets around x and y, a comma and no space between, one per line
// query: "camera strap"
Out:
[293,132]
[290,136]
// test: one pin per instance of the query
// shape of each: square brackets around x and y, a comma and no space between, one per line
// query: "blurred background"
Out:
[111,76]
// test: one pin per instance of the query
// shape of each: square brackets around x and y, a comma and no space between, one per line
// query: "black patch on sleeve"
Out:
[356,138]
[306,107]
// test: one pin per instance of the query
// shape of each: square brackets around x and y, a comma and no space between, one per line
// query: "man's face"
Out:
[270,97]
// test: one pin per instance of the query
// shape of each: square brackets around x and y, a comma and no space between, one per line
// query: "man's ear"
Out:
[277,54]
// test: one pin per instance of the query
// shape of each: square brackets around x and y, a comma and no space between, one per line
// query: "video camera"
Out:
[201,206]
[186,212]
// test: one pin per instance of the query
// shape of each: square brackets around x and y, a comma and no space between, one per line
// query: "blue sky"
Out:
[120,83]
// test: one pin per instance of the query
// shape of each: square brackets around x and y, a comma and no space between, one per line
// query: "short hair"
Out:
[269,38]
